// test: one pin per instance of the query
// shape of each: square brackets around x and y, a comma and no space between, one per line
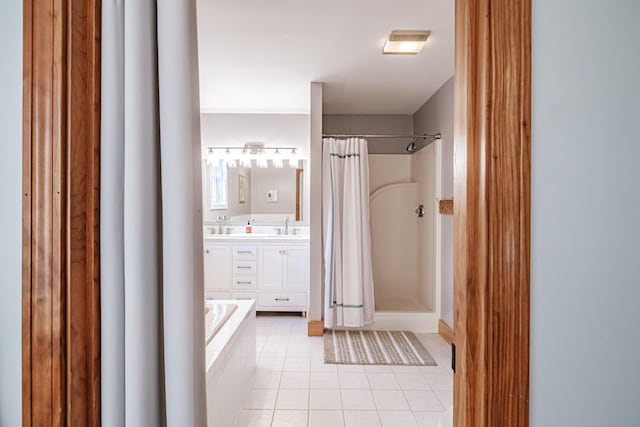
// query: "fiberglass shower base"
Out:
[400,303]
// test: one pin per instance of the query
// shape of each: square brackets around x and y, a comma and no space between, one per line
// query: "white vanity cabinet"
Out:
[274,273]
[285,267]
[244,280]
[284,277]
[217,271]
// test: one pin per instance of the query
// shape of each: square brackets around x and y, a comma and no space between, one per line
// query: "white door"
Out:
[270,267]
[217,267]
[296,260]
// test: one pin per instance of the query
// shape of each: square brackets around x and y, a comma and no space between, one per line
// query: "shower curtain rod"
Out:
[364,135]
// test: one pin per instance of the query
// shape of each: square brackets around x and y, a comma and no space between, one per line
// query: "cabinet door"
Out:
[217,295]
[270,267]
[296,267]
[217,267]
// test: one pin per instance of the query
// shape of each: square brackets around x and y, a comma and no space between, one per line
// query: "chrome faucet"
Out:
[221,220]
[286,225]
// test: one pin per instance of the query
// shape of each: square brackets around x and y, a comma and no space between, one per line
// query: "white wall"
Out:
[436,115]
[11,212]
[585,219]
[315,168]
[235,130]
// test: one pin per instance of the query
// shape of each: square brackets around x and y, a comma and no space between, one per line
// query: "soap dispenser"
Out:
[248,229]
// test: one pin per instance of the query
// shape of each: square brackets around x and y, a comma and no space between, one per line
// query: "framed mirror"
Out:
[262,194]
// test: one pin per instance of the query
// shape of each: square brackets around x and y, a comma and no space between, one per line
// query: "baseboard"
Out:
[423,323]
[315,328]
[445,331]
[420,323]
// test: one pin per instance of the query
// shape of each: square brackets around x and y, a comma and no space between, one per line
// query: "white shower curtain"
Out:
[348,288]
[152,294]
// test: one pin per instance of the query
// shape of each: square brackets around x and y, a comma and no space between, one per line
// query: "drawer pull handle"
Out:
[243,298]
[244,266]
[243,283]
[282,299]
[245,252]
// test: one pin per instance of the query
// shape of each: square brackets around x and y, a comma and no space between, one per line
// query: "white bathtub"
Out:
[215,314]
[231,357]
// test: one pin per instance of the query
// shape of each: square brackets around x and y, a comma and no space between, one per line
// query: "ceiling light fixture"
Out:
[405,42]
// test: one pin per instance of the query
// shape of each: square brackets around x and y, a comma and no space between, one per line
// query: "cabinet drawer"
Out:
[282,299]
[249,252]
[243,295]
[244,282]
[217,294]
[245,268]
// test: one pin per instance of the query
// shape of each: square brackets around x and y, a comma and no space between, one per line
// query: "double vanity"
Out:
[272,269]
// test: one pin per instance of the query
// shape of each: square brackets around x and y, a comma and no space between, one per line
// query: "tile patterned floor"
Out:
[294,387]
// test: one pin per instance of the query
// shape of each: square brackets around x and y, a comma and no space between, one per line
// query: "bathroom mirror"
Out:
[262,194]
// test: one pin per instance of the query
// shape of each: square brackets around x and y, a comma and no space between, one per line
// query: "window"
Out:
[218,187]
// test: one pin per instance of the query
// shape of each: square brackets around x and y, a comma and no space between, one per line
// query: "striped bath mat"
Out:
[375,348]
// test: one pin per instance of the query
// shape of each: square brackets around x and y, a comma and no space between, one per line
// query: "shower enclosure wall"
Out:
[403,244]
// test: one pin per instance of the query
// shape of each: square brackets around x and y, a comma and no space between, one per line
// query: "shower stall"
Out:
[403,239]
[402,199]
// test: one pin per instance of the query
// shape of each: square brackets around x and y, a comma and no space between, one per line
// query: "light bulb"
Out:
[277,159]
[228,158]
[293,159]
[262,162]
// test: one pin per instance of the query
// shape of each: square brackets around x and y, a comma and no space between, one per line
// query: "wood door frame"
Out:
[60,225]
[492,146]
[299,172]
[60,302]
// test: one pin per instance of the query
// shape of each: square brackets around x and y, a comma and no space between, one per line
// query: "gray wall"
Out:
[373,124]
[281,179]
[11,212]
[585,234]
[436,115]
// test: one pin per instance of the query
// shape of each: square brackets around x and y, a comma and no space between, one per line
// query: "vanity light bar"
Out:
[252,149]
[258,152]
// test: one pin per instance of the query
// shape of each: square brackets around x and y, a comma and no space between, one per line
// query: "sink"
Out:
[256,236]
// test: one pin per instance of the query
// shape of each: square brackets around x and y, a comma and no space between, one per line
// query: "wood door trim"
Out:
[60,243]
[445,331]
[298,193]
[315,328]
[445,207]
[491,216]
